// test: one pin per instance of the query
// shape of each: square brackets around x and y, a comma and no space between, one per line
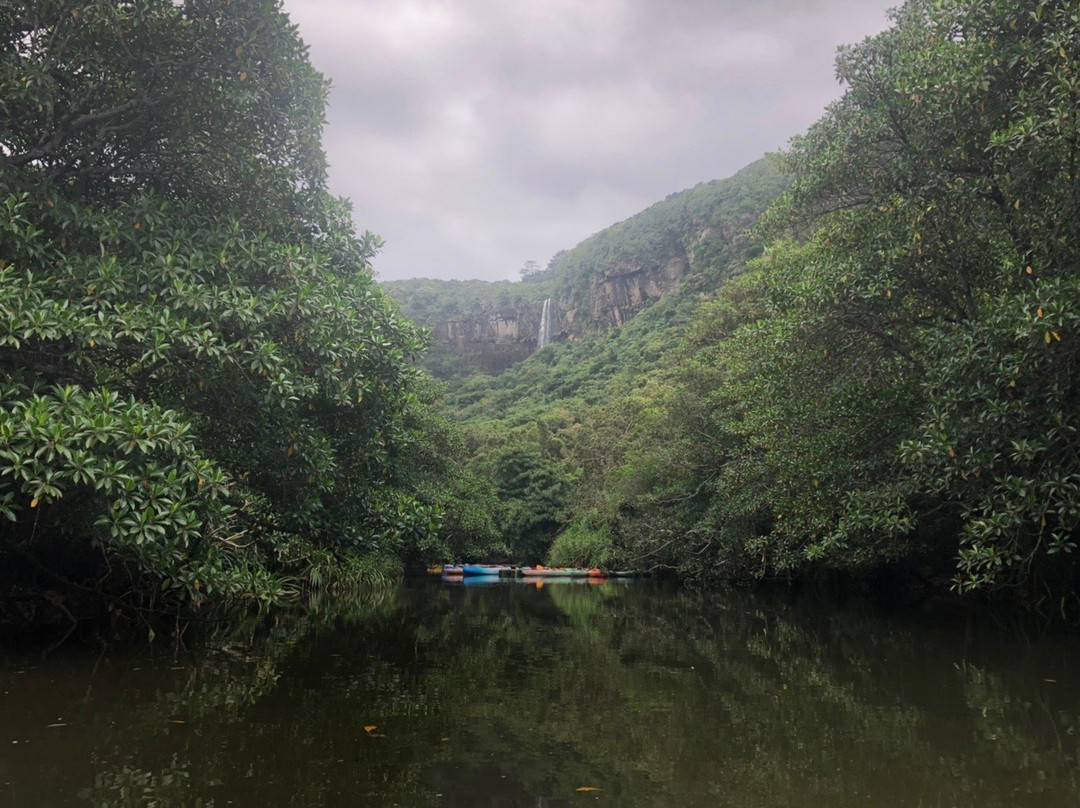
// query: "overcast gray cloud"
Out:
[474,135]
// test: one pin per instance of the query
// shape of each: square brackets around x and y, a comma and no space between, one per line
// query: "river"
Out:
[568,694]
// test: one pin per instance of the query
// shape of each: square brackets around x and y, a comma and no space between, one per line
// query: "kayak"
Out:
[547,572]
[484,569]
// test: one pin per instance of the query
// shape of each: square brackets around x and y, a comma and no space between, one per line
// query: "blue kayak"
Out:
[483,569]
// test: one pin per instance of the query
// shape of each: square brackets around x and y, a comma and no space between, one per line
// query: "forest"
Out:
[868,368]
[886,392]
[205,395]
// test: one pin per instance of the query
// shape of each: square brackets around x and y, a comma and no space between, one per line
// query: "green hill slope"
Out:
[701,231]
[625,298]
[889,390]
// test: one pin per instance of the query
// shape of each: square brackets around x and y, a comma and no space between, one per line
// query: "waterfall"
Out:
[543,339]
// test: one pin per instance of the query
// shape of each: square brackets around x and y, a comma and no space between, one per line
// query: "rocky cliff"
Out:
[690,238]
[476,327]
[617,294]
[490,340]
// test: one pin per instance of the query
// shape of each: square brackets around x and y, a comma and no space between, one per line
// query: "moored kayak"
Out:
[484,569]
[548,572]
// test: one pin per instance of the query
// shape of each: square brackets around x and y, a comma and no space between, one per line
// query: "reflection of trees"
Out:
[797,708]
[659,698]
[1034,732]
[137,724]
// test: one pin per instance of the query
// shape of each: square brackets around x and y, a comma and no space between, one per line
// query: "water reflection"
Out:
[513,695]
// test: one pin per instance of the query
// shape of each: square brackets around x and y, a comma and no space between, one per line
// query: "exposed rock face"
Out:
[493,328]
[618,294]
[492,341]
[624,290]
[491,338]
[688,240]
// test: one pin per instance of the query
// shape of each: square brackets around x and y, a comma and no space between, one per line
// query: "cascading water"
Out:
[543,339]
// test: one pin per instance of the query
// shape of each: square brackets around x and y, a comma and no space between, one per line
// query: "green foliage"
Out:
[598,398]
[895,380]
[428,302]
[1000,436]
[581,546]
[209,101]
[900,368]
[943,189]
[202,380]
[705,225]
[533,494]
[466,502]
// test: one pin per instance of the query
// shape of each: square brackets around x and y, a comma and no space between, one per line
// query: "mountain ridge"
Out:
[602,283]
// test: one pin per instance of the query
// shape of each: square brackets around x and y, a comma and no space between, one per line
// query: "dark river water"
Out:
[513,695]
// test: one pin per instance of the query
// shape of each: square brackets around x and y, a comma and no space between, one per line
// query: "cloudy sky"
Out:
[474,135]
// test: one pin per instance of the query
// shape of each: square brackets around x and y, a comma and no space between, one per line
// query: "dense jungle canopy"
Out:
[206,395]
[204,392]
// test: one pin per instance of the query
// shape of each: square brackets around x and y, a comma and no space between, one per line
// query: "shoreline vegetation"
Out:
[205,395]
[868,374]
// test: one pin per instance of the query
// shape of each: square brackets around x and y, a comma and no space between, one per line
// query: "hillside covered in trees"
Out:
[890,386]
